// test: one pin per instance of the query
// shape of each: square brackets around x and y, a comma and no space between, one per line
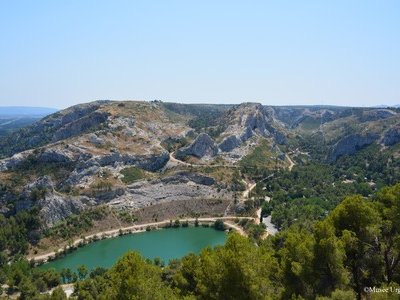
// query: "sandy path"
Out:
[250,187]
[69,288]
[258,216]
[232,225]
[142,228]
[183,163]
[177,161]
[292,164]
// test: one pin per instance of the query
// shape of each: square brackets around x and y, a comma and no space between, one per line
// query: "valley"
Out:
[164,161]
[106,169]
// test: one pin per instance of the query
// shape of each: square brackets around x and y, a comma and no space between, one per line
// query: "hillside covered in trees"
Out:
[356,248]
[106,165]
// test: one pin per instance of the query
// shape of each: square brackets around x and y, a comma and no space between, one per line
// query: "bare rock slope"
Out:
[119,153]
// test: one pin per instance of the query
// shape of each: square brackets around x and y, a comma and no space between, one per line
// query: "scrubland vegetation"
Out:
[355,246]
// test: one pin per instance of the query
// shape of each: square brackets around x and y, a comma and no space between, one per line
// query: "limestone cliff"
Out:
[248,120]
[350,144]
[118,153]
[203,145]
[392,136]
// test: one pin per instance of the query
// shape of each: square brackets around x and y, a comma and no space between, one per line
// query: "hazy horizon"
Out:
[57,54]
[198,103]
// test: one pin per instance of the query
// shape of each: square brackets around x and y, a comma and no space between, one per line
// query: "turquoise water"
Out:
[167,244]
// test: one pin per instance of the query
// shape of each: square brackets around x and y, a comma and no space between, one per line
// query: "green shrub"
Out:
[132,174]
[177,224]
[219,225]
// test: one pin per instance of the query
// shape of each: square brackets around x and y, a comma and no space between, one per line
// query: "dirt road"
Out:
[141,228]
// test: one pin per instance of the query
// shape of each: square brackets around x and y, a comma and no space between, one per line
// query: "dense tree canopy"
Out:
[356,246]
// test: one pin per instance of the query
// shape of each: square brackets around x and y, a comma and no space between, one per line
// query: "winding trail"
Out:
[270,230]
[246,192]
[250,187]
[177,161]
[142,227]
[69,287]
[173,159]
[292,164]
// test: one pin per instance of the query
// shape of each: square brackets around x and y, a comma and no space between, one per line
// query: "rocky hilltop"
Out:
[248,120]
[134,154]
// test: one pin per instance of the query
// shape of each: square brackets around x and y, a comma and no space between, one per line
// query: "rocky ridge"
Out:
[74,158]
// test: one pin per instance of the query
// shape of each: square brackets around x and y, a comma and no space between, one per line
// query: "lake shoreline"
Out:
[44,258]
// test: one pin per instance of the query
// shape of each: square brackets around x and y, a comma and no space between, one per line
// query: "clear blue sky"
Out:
[59,53]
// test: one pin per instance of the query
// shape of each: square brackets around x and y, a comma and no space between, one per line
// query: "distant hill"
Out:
[26,111]
[16,117]
[385,106]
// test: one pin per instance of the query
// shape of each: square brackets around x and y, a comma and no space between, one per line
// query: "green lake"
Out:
[166,243]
